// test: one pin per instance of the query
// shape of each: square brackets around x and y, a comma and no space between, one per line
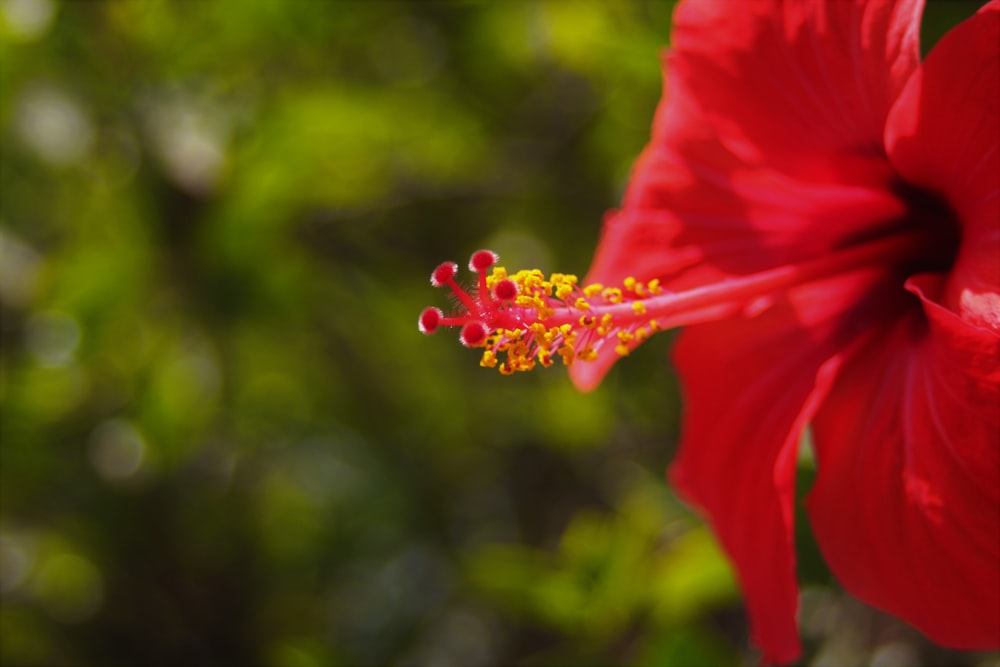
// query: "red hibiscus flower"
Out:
[821,211]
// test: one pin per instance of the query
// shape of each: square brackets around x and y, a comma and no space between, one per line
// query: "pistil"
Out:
[526,319]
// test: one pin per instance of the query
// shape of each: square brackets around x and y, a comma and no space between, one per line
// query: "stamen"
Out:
[525,319]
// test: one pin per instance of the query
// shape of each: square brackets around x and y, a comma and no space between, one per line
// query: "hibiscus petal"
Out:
[687,170]
[750,387]
[906,505]
[695,214]
[643,244]
[740,219]
[803,86]
[943,134]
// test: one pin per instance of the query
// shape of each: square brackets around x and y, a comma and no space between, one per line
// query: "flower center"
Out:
[526,318]
[931,215]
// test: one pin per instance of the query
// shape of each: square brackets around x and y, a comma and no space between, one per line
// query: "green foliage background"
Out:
[224,441]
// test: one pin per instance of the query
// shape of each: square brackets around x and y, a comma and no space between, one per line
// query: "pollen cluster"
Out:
[525,319]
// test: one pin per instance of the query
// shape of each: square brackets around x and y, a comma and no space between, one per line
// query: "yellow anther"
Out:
[489,359]
[588,321]
[622,350]
[629,284]
[612,295]
[654,286]
[639,307]
[587,354]
[606,325]
[581,304]
[525,301]
[625,336]
[590,291]
[566,350]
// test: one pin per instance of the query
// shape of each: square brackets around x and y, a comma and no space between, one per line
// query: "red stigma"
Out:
[443,273]
[429,320]
[473,334]
[479,308]
[481,260]
[505,290]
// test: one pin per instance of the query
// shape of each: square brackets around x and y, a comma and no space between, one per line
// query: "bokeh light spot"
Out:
[16,559]
[69,587]
[53,125]
[28,19]
[116,450]
[20,266]
[189,136]
[53,338]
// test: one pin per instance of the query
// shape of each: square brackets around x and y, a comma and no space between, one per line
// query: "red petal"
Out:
[720,196]
[697,210]
[906,506]
[750,387]
[944,135]
[642,245]
[803,86]
[695,214]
